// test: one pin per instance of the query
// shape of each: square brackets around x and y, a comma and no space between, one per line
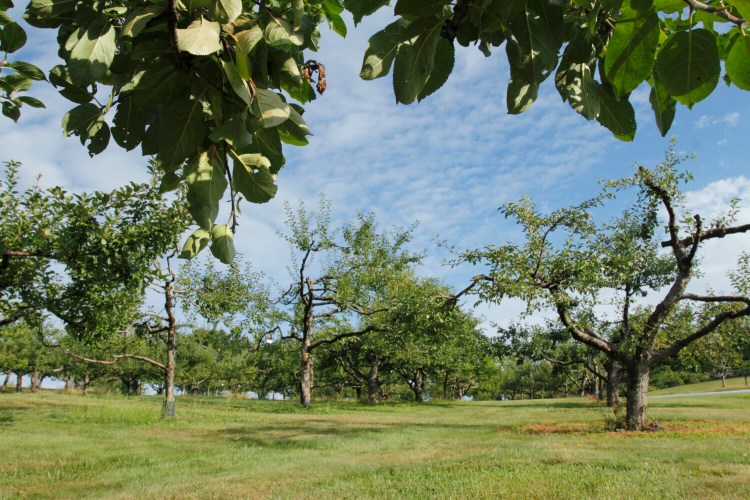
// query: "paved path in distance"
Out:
[731,392]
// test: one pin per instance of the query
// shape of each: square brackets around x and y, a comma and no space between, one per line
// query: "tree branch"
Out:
[341,336]
[717,232]
[708,328]
[720,12]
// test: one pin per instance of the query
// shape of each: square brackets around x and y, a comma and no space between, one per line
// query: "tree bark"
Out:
[35,380]
[373,381]
[169,401]
[417,386]
[85,386]
[639,373]
[69,384]
[19,382]
[613,384]
[306,375]
[7,379]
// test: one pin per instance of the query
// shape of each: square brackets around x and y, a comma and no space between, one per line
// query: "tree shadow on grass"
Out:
[318,433]
[6,419]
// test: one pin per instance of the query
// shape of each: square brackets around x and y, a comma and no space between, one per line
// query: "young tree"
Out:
[574,272]
[82,258]
[359,264]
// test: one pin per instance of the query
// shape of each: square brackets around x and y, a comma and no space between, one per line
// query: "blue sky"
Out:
[448,162]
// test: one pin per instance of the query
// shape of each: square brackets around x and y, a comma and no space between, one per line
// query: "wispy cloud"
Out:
[730,119]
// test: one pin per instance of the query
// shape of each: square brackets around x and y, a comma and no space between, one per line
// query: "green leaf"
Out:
[222,243]
[206,185]
[252,177]
[49,13]
[137,21]
[195,243]
[60,78]
[362,8]
[169,182]
[381,50]
[226,11]
[738,63]
[156,85]
[298,10]
[294,130]
[520,94]
[180,131]
[83,120]
[87,122]
[338,25]
[239,85]
[271,109]
[663,106]
[248,39]
[631,51]
[12,37]
[91,51]
[11,111]
[31,101]
[234,132]
[27,70]
[576,84]
[413,9]
[742,6]
[129,124]
[415,62]
[279,33]
[200,38]
[445,58]
[688,65]
[669,6]
[537,35]
[617,116]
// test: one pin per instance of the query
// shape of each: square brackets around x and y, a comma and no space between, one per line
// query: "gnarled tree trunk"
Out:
[306,375]
[639,373]
[373,381]
[613,384]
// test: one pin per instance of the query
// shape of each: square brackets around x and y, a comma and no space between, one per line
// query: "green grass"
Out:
[710,386]
[58,446]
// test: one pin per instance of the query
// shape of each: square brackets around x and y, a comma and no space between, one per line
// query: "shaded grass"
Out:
[57,446]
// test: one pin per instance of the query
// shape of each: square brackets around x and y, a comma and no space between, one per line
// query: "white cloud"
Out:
[730,119]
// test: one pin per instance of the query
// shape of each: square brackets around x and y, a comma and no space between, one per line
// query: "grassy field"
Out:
[58,446]
[733,384]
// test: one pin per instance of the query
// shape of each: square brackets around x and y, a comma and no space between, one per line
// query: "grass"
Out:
[58,446]
[733,384]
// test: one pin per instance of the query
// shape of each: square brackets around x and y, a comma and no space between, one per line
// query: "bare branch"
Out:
[716,232]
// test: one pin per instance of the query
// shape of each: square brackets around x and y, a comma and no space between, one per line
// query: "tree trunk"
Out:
[19,382]
[85,386]
[69,384]
[306,375]
[169,402]
[613,384]
[639,373]
[724,377]
[7,380]
[36,382]
[417,386]
[373,381]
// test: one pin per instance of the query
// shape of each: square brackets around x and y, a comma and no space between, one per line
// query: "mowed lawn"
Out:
[72,446]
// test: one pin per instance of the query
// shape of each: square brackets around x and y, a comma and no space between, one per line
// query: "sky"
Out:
[448,162]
